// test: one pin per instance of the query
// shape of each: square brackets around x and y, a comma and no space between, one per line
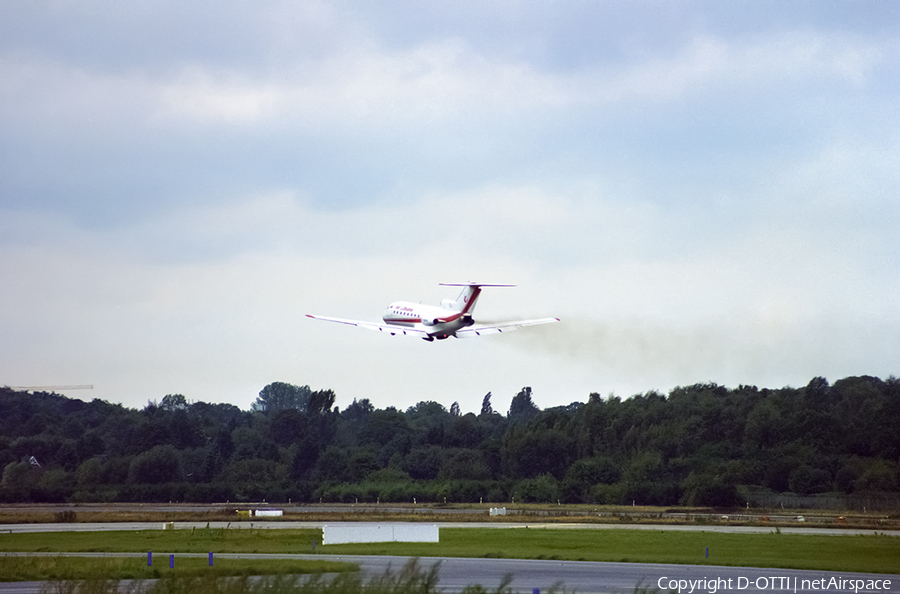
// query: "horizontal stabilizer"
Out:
[472,285]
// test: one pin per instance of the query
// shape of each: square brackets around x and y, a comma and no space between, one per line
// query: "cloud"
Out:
[364,82]
[372,87]
[195,95]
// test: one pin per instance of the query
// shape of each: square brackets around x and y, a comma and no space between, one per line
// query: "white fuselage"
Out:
[439,322]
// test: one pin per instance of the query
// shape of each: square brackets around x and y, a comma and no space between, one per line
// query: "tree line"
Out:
[703,444]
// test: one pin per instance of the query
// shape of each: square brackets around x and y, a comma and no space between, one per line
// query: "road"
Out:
[581,576]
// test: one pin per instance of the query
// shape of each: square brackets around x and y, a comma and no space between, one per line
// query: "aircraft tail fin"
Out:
[465,303]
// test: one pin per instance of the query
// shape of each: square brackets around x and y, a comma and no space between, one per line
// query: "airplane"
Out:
[429,322]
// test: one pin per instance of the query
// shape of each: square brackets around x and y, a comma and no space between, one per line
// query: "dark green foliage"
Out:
[160,464]
[522,408]
[424,462]
[282,396]
[286,426]
[464,464]
[486,409]
[583,474]
[698,445]
[805,480]
[542,489]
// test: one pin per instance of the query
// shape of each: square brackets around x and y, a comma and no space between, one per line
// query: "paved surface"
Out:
[581,576]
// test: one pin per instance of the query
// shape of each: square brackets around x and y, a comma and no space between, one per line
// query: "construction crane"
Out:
[50,388]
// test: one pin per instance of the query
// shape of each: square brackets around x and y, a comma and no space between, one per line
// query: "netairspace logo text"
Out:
[776,583]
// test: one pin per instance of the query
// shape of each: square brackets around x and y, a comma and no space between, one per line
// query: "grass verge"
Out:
[875,554]
[19,569]
[412,578]
[201,540]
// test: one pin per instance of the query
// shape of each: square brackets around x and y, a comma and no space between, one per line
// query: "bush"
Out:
[65,517]
[543,489]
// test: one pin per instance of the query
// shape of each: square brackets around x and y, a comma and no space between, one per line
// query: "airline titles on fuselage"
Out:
[401,314]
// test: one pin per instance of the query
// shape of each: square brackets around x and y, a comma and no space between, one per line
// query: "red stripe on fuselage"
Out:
[471,303]
[455,316]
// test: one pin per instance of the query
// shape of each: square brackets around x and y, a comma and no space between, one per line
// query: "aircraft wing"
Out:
[481,330]
[389,328]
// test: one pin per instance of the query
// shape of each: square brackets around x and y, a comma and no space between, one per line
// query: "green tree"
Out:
[255,473]
[541,489]
[173,402]
[320,402]
[424,463]
[464,464]
[582,475]
[464,432]
[532,451]
[160,464]
[880,475]
[522,409]
[805,480]
[358,410]
[486,409]
[19,478]
[703,489]
[428,422]
[333,465]
[89,473]
[279,396]
[362,462]
[845,478]
[54,486]
[286,426]
[383,426]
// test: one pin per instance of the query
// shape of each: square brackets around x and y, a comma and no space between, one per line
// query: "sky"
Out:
[701,191]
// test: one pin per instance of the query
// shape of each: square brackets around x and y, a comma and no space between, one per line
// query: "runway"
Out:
[580,576]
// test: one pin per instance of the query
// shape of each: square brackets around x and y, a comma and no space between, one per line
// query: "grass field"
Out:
[411,578]
[877,554]
[16,569]
[215,540]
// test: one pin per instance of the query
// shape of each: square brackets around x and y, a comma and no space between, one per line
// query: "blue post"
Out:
[149,558]
[314,545]
[210,559]
[536,591]
[171,561]
[707,552]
